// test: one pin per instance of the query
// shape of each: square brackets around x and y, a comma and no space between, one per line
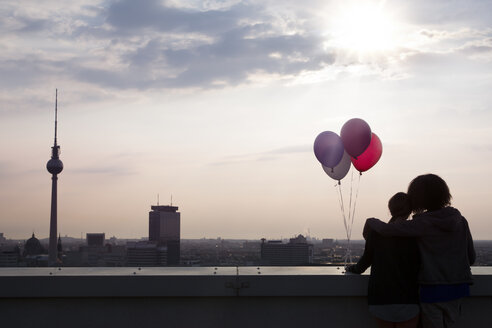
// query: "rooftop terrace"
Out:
[201,297]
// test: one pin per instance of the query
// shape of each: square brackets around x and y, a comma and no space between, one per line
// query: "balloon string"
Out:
[348,256]
[348,228]
[342,207]
[349,222]
[351,184]
[355,204]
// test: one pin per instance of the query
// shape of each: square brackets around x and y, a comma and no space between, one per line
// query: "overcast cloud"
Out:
[153,44]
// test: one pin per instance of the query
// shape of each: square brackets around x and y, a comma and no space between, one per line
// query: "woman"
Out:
[445,245]
[394,262]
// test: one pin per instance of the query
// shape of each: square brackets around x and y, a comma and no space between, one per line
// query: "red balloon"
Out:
[370,156]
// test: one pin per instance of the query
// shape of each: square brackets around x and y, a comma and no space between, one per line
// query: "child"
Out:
[393,289]
[445,245]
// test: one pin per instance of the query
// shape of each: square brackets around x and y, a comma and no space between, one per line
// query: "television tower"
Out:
[54,166]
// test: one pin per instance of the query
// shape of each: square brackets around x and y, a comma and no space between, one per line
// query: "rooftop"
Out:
[201,297]
[164,208]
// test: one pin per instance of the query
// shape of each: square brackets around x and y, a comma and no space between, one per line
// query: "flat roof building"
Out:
[165,230]
[296,252]
[146,254]
[95,239]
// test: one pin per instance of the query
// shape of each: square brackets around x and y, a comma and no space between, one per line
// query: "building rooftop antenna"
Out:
[157,199]
[171,199]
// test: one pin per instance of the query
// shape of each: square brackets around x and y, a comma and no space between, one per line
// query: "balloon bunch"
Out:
[357,145]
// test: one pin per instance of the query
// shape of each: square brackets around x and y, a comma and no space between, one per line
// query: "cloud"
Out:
[11,172]
[443,12]
[149,44]
[123,165]
[271,155]
[291,149]
[453,52]
[479,48]
[25,72]
[153,44]
[131,17]
[207,49]
[105,170]
[29,25]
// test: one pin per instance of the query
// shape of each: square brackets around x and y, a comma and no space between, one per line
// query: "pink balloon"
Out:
[370,156]
[356,136]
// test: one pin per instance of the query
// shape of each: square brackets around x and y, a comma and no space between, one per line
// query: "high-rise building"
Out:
[54,166]
[296,252]
[164,229]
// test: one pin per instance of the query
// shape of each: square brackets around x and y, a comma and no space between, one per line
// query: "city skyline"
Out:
[218,104]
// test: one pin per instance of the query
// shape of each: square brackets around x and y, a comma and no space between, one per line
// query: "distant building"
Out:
[146,254]
[164,230]
[327,242]
[2,238]
[93,253]
[296,252]
[115,256]
[97,252]
[33,247]
[34,253]
[10,256]
[95,239]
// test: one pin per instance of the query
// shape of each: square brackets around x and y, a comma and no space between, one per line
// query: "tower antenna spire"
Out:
[56,113]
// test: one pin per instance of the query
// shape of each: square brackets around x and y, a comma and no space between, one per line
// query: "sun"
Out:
[363,27]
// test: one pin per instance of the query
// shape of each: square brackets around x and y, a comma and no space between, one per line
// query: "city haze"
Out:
[218,104]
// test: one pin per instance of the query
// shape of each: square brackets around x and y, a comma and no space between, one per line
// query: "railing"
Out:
[201,297]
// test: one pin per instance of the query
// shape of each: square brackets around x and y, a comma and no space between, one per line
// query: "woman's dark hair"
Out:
[428,192]
[399,206]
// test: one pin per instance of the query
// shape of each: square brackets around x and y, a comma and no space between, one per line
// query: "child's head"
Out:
[428,192]
[399,205]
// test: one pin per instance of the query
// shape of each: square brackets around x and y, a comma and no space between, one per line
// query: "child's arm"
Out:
[471,248]
[366,259]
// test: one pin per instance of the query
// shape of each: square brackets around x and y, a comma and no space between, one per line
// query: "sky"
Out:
[217,104]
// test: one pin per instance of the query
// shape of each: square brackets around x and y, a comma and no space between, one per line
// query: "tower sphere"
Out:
[54,166]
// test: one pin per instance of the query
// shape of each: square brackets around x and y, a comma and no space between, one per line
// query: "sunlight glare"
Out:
[363,28]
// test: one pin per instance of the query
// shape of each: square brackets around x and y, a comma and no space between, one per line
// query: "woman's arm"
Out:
[409,228]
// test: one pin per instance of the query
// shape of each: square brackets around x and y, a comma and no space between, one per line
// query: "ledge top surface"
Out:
[192,271]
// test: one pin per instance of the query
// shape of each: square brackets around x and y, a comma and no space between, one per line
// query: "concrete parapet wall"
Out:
[201,297]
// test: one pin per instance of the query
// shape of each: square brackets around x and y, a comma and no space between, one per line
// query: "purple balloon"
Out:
[356,136]
[328,148]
